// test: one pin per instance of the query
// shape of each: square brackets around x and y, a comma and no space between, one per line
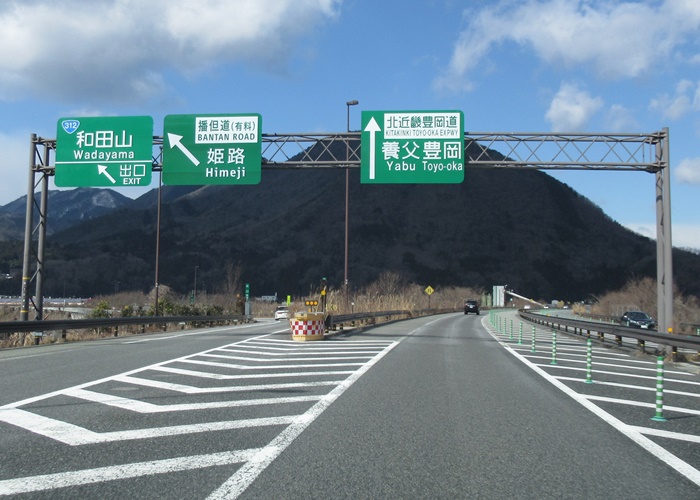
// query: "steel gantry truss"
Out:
[540,151]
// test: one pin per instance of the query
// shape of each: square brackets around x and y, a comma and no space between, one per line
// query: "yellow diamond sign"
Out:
[429,290]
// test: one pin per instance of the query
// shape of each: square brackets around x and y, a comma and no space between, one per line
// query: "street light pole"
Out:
[347,199]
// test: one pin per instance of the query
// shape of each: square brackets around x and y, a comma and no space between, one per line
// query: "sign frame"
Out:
[412,147]
[212,149]
[97,151]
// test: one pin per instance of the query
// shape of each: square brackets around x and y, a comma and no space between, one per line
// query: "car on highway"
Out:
[282,312]
[471,306]
[637,319]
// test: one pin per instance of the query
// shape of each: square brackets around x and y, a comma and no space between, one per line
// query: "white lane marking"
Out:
[38,483]
[596,362]
[255,350]
[144,407]
[188,389]
[630,386]
[316,346]
[74,435]
[221,329]
[681,466]
[628,363]
[219,376]
[269,367]
[619,374]
[59,392]
[629,402]
[237,483]
[261,360]
[689,438]
[126,471]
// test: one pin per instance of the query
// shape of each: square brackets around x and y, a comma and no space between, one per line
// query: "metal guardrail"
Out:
[692,326]
[581,327]
[335,320]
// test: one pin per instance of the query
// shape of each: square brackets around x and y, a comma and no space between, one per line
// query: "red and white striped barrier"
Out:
[307,326]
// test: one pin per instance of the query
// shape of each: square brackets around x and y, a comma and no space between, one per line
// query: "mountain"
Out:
[65,208]
[500,226]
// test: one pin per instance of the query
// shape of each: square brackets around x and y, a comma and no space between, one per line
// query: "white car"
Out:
[282,312]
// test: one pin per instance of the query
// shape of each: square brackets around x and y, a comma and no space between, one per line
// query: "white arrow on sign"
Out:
[372,127]
[102,169]
[174,140]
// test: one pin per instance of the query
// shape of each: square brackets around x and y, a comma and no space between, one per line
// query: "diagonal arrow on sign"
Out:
[372,127]
[102,169]
[174,141]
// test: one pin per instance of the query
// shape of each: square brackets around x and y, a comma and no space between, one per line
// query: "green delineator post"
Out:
[589,361]
[659,417]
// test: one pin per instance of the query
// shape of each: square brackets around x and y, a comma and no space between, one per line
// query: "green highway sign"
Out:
[212,149]
[111,151]
[412,147]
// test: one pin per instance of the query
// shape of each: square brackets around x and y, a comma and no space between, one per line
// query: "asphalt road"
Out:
[436,407]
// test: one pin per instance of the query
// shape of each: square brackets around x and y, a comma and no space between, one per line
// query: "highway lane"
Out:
[449,414]
[432,407]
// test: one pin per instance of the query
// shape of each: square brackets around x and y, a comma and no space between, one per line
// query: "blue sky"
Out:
[511,66]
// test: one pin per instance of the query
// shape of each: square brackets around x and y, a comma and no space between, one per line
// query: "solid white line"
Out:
[628,402]
[259,360]
[260,346]
[688,438]
[144,407]
[629,375]
[237,483]
[188,334]
[616,365]
[630,386]
[188,389]
[74,435]
[368,353]
[219,376]
[659,452]
[270,367]
[597,355]
[126,471]
[315,345]
[59,392]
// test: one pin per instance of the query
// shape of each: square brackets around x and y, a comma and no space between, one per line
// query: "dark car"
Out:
[637,319]
[471,306]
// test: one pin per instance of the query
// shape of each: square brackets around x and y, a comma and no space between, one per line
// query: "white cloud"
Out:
[620,119]
[120,49]
[685,99]
[688,171]
[14,169]
[613,39]
[571,108]
[682,235]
